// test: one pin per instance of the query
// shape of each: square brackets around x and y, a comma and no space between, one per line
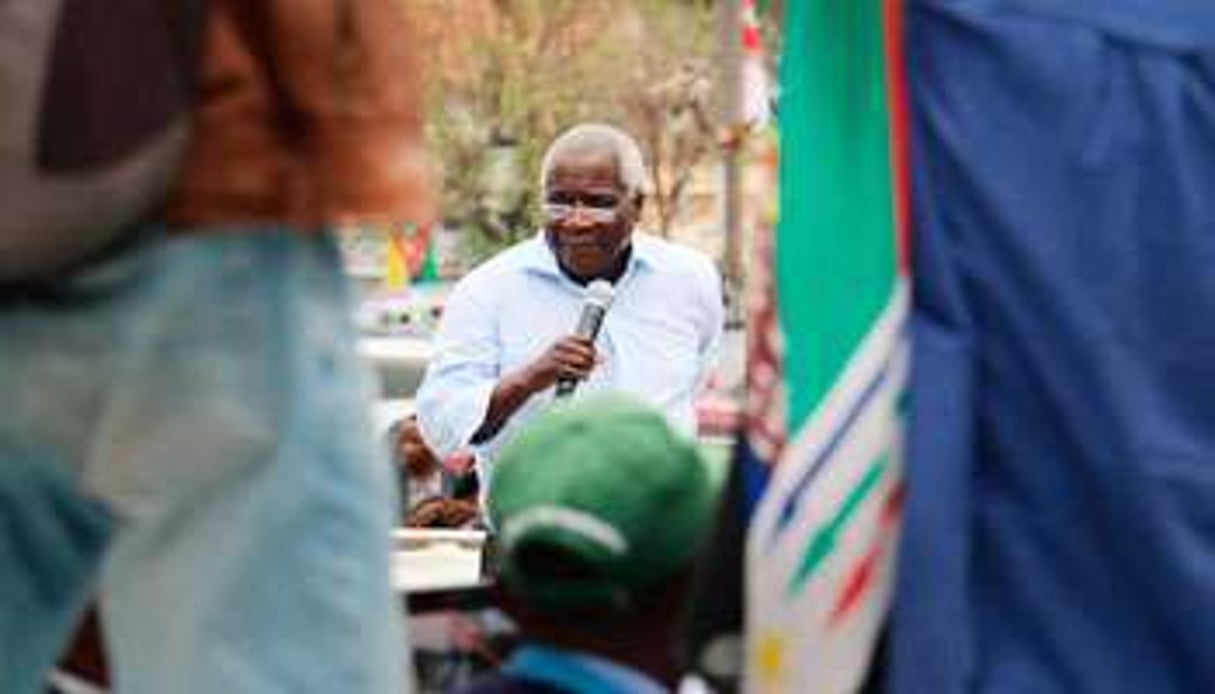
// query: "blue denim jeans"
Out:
[185,433]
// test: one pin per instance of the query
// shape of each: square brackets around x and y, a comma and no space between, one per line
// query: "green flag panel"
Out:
[835,247]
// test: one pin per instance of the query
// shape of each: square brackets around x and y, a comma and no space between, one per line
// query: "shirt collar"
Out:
[579,672]
[539,258]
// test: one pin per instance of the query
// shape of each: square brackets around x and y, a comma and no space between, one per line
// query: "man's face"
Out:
[588,218]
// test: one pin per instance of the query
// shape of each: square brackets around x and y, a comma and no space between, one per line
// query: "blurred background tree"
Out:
[505,76]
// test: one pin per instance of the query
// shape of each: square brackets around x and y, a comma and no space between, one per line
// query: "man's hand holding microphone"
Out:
[567,361]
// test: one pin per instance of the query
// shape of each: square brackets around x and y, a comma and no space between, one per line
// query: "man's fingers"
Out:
[576,354]
[576,369]
[571,357]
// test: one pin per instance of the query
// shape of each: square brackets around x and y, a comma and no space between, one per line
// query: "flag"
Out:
[756,89]
[828,356]
[406,252]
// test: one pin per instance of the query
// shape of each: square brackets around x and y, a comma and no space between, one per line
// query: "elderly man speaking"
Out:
[508,334]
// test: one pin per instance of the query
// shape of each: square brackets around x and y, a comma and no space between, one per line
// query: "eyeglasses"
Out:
[595,211]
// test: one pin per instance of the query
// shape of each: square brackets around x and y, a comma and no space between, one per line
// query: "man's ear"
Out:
[639,203]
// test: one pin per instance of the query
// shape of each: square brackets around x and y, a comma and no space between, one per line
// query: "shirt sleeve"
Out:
[454,396]
[349,79]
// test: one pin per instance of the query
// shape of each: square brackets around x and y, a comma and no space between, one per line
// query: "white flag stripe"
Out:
[791,638]
[874,352]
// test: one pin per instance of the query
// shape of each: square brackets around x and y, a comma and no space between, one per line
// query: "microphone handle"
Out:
[565,387]
[590,321]
[589,324]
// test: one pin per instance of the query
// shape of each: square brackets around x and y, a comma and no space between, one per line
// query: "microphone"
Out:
[598,298]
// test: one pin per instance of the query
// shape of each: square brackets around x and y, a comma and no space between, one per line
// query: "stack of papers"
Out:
[429,559]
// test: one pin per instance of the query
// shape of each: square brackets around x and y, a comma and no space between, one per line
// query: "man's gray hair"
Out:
[629,161]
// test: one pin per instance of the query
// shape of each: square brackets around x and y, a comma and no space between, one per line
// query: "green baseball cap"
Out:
[595,502]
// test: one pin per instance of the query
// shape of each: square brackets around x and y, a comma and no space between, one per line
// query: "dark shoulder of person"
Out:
[504,683]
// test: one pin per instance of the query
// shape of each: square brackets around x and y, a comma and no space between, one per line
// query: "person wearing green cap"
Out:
[601,509]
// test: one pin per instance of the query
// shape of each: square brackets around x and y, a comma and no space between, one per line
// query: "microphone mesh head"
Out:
[600,293]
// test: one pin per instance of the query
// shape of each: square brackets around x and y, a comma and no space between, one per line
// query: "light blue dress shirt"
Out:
[659,340]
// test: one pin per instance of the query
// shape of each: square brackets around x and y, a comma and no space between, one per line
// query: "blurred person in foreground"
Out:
[187,427]
[1059,527]
[601,509]
[506,337]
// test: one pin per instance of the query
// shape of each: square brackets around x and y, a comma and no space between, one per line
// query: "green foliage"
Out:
[547,64]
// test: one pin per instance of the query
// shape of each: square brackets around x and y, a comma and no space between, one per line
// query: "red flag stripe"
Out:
[860,578]
[896,90]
